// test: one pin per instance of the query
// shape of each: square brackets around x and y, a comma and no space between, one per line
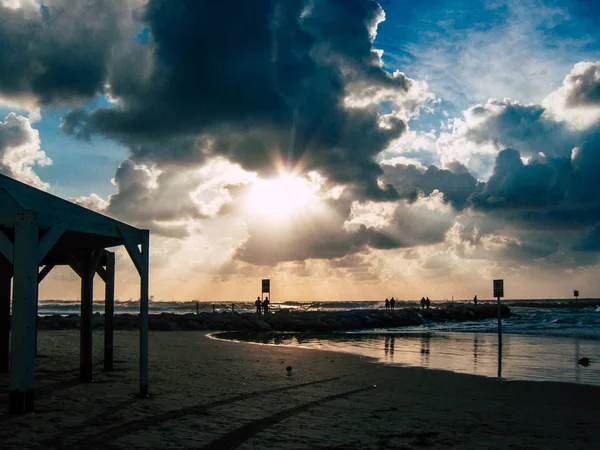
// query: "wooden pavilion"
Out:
[39,231]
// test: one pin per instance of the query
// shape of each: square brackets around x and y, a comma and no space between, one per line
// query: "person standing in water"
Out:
[258,305]
[475,301]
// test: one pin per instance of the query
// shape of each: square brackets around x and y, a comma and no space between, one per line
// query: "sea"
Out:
[547,339]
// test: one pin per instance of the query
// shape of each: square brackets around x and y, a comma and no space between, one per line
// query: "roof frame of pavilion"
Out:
[38,229]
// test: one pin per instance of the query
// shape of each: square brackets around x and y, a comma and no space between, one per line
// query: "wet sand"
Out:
[215,394]
[523,357]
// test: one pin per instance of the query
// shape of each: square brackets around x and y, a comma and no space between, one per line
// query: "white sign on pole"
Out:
[498,288]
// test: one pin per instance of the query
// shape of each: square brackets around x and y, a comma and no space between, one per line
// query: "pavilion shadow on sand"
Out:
[39,231]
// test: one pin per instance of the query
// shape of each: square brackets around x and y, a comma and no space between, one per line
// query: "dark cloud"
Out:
[509,123]
[322,233]
[260,81]
[546,192]
[141,196]
[60,52]
[517,185]
[160,201]
[532,248]
[590,242]
[456,184]
[316,234]
[349,262]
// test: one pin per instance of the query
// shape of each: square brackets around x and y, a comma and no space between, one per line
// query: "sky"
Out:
[345,149]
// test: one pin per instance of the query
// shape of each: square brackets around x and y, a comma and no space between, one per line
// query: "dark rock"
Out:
[585,362]
[289,320]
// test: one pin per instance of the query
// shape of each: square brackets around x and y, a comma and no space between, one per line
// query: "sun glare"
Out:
[280,197]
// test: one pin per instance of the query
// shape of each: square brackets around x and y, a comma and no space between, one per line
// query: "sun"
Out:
[280,197]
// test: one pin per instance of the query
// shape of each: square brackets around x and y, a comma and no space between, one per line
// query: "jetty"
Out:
[288,320]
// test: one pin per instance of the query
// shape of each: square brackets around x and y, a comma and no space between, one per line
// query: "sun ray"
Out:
[280,197]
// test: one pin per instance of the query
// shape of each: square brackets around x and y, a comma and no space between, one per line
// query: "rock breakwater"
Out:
[287,320]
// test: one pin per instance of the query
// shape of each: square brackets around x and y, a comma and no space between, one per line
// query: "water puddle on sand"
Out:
[523,357]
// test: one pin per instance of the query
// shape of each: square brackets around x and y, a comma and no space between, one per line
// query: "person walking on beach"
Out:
[258,305]
[475,301]
[387,304]
[265,305]
[392,303]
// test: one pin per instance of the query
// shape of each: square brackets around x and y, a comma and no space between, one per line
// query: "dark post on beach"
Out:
[576,294]
[498,293]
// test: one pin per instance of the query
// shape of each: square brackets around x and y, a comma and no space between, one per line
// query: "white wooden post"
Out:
[141,260]
[87,305]
[85,329]
[5,291]
[144,291]
[109,311]
[25,290]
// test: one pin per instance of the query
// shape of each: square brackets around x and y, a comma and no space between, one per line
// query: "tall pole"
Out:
[144,294]
[87,305]
[499,323]
[5,294]
[22,342]
[109,311]
[499,339]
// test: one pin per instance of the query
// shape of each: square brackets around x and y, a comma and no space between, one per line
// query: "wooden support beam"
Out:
[144,294]
[101,271]
[134,252]
[75,264]
[25,290]
[50,238]
[109,311]
[6,247]
[87,304]
[44,272]
[5,291]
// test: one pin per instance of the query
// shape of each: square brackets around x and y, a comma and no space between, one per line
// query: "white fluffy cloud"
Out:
[405,104]
[167,201]
[20,151]
[577,102]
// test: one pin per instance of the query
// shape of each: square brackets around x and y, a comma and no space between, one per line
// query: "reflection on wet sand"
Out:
[577,366]
[475,349]
[425,343]
[389,347]
[500,359]
[520,357]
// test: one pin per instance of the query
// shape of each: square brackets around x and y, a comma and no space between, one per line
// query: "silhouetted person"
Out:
[392,303]
[387,304]
[265,305]
[423,302]
[258,305]
[427,302]
[475,301]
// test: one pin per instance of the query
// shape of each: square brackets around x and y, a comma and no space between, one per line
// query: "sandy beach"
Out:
[208,393]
